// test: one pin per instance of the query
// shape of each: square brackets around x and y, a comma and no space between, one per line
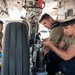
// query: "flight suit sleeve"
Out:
[56,34]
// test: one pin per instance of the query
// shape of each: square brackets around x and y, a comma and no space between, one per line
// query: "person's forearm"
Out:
[62,54]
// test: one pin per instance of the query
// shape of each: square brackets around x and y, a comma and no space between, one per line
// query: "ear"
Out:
[74,25]
[50,19]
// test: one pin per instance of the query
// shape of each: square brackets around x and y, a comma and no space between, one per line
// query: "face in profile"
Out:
[46,23]
[69,30]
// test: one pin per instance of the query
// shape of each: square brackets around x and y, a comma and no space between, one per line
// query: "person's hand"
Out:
[46,42]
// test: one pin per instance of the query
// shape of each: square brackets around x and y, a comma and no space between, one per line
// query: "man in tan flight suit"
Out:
[56,35]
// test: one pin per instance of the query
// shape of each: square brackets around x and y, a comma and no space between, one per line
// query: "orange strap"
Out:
[40,3]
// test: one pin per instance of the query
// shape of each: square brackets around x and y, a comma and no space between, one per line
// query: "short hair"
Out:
[45,16]
[69,22]
[1,22]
